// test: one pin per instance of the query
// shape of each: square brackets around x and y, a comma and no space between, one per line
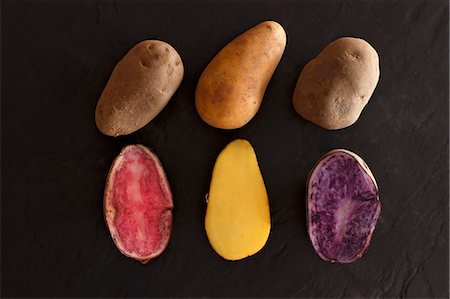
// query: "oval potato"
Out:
[343,206]
[140,86]
[138,204]
[334,87]
[231,88]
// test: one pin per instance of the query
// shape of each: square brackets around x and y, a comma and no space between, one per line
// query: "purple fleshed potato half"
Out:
[343,206]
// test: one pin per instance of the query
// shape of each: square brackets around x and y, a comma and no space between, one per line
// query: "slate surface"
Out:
[56,59]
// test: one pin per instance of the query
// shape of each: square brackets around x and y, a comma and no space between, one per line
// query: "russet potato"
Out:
[140,86]
[334,87]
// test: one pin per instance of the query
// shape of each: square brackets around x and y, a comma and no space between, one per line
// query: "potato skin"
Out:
[140,86]
[231,88]
[334,87]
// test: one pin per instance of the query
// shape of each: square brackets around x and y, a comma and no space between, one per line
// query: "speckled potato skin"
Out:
[140,86]
[334,87]
[231,88]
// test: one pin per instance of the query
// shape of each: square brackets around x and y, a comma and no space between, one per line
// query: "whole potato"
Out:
[231,88]
[334,87]
[140,86]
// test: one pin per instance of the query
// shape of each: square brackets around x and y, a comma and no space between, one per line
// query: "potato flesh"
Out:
[238,217]
[343,206]
[138,204]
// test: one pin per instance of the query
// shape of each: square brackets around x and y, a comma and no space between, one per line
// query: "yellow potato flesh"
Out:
[237,217]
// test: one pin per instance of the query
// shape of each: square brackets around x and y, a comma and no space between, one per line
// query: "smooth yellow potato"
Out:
[231,88]
[237,218]
[140,86]
[334,87]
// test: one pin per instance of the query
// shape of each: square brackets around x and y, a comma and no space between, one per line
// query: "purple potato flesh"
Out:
[343,206]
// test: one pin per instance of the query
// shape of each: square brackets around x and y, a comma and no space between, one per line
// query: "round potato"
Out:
[334,87]
[231,88]
[140,86]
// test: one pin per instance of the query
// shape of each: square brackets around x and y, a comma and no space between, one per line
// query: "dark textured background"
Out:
[56,59]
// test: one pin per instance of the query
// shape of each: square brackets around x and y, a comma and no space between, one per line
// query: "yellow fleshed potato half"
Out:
[232,86]
[237,218]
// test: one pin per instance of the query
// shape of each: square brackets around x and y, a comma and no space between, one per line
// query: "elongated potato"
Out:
[334,87]
[140,86]
[231,88]
[237,218]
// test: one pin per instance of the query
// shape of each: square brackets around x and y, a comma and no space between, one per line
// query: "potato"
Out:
[138,204]
[231,88]
[334,87]
[237,218]
[343,206]
[140,86]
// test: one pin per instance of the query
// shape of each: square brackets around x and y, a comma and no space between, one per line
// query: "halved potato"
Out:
[237,219]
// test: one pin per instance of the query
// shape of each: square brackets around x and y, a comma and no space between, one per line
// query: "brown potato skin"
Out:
[231,88]
[334,87]
[140,86]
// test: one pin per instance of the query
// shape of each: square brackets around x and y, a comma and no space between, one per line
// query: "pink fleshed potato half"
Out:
[138,204]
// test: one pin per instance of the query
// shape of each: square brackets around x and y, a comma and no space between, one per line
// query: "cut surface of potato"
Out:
[238,217]
[138,204]
[343,206]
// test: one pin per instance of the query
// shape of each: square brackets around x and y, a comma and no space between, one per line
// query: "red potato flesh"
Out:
[138,204]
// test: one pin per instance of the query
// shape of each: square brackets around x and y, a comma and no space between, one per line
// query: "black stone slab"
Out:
[57,57]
